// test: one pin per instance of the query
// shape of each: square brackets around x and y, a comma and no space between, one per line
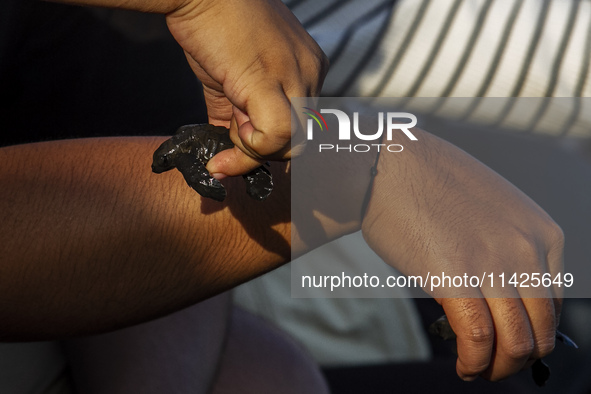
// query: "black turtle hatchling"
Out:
[539,370]
[189,150]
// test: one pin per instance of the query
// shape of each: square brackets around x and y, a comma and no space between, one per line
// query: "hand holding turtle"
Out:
[252,57]
[191,148]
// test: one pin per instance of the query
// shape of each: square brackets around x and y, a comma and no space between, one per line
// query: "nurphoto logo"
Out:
[390,119]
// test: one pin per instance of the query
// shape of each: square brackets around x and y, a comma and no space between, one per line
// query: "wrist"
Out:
[393,198]
[328,191]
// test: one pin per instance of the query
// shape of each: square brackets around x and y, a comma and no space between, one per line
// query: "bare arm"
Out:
[93,240]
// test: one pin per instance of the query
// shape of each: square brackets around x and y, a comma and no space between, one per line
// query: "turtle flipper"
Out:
[259,183]
[540,372]
[189,150]
[198,178]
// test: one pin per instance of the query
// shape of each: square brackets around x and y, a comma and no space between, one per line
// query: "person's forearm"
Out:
[93,240]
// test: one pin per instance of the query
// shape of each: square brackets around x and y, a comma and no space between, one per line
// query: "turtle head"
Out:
[163,159]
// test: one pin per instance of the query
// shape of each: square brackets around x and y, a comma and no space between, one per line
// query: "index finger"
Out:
[471,320]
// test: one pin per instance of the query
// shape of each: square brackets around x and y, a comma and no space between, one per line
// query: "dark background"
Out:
[69,71]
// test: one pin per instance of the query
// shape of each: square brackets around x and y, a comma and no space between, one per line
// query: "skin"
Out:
[92,240]
[457,216]
[78,227]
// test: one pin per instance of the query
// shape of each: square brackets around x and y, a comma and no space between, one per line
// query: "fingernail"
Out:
[469,378]
[219,176]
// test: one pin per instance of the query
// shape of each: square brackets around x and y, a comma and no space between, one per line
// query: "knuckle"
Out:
[474,368]
[323,63]
[275,138]
[313,57]
[481,335]
[477,340]
[268,144]
[556,235]
[525,244]
[312,69]
[545,347]
[317,62]
[520,350]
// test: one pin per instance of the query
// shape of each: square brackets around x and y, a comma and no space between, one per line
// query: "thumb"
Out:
[232,162]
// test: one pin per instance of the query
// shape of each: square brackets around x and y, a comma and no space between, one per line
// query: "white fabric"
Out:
[340,331]
[461,48]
